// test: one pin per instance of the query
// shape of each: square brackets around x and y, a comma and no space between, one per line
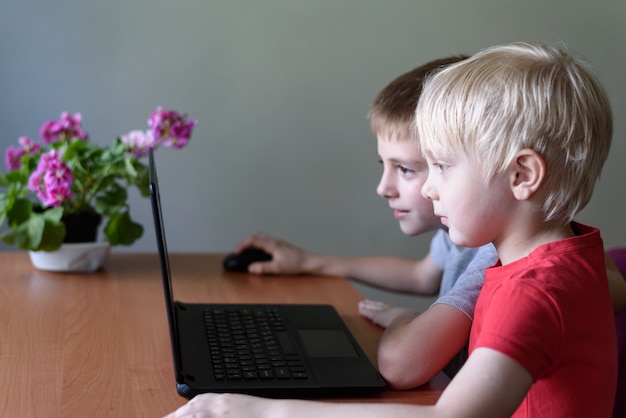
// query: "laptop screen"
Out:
[159,229]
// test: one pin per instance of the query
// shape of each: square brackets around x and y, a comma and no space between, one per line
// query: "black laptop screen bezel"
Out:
[159,230]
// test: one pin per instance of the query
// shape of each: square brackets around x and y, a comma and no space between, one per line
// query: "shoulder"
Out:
[440,246]
[441,238]
[507,311]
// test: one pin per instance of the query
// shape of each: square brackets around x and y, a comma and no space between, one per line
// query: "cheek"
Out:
[460,203]
[423,206]
[472,213]
[413,191]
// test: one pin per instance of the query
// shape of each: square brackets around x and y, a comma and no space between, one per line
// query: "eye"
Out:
[441,167]
[405,170]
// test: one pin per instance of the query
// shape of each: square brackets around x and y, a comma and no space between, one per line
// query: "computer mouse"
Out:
[241,261]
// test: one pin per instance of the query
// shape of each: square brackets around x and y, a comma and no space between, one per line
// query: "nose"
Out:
[428,189]
[386,187]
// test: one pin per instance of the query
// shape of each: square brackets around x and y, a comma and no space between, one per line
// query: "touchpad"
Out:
[327,343]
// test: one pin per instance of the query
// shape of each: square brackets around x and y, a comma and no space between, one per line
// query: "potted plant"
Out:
[59,191]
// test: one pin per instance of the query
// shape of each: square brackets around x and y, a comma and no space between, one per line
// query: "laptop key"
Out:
[250,375]
[233,376]
[282,373]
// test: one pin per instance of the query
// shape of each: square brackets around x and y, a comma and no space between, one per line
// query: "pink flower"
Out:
[29,146]
[57,175]
[48,158]
[34,180]
[68,126]
[13,157]
[52,179]
[55,197]
[48,132]
[138,142]
[170,128]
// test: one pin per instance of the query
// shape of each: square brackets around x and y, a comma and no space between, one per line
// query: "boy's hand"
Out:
[382,314]
[210,405]
[286,258]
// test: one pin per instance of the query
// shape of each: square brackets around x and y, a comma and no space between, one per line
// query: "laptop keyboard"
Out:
[251,345]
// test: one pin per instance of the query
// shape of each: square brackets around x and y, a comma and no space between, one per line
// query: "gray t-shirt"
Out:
[463,271]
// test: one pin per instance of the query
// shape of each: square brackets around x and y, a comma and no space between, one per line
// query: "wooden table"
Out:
[96,345]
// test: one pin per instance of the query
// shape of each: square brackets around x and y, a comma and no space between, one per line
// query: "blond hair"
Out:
[522,96]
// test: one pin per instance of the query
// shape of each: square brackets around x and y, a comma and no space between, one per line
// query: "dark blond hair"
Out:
[393,109]
[522,96]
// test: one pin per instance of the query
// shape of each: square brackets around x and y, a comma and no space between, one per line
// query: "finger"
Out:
[366,308]
[367,313]
[373,304]
[248,242]
[181,412]
[260,267]
[258,240]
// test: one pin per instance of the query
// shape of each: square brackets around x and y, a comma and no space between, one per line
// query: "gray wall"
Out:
[281,89]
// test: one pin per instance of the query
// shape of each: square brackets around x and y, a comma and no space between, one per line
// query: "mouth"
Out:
[442,218]
[400,214]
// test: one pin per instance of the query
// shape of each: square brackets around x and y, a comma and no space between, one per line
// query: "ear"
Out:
[528,171]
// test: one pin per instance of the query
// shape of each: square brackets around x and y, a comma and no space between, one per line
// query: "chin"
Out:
[463,241]
[407,231]
[412,231]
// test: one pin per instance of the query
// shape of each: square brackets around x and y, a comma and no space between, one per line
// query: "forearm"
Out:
[413,350]
[490,386]
[312,409]
[243,406]
[393,273]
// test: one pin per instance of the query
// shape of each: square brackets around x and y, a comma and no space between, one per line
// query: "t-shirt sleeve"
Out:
[464,293]
[440,248]
[525,324]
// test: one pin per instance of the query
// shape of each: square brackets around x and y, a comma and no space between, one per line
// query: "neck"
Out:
[522,241]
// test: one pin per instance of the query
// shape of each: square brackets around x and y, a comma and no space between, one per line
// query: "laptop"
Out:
[277,351]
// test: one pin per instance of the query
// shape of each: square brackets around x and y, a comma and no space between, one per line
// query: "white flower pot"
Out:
[72,257]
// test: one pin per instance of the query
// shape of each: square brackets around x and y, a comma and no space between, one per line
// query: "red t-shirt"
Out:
[551,312]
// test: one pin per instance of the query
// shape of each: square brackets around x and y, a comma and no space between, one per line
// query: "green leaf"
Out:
[20,212]
[142,181]
[39,232]
[5,205]
[53,214]
[130,169]
[111,201]
[52,236]
[26,235]
[15,177]
[121,230]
